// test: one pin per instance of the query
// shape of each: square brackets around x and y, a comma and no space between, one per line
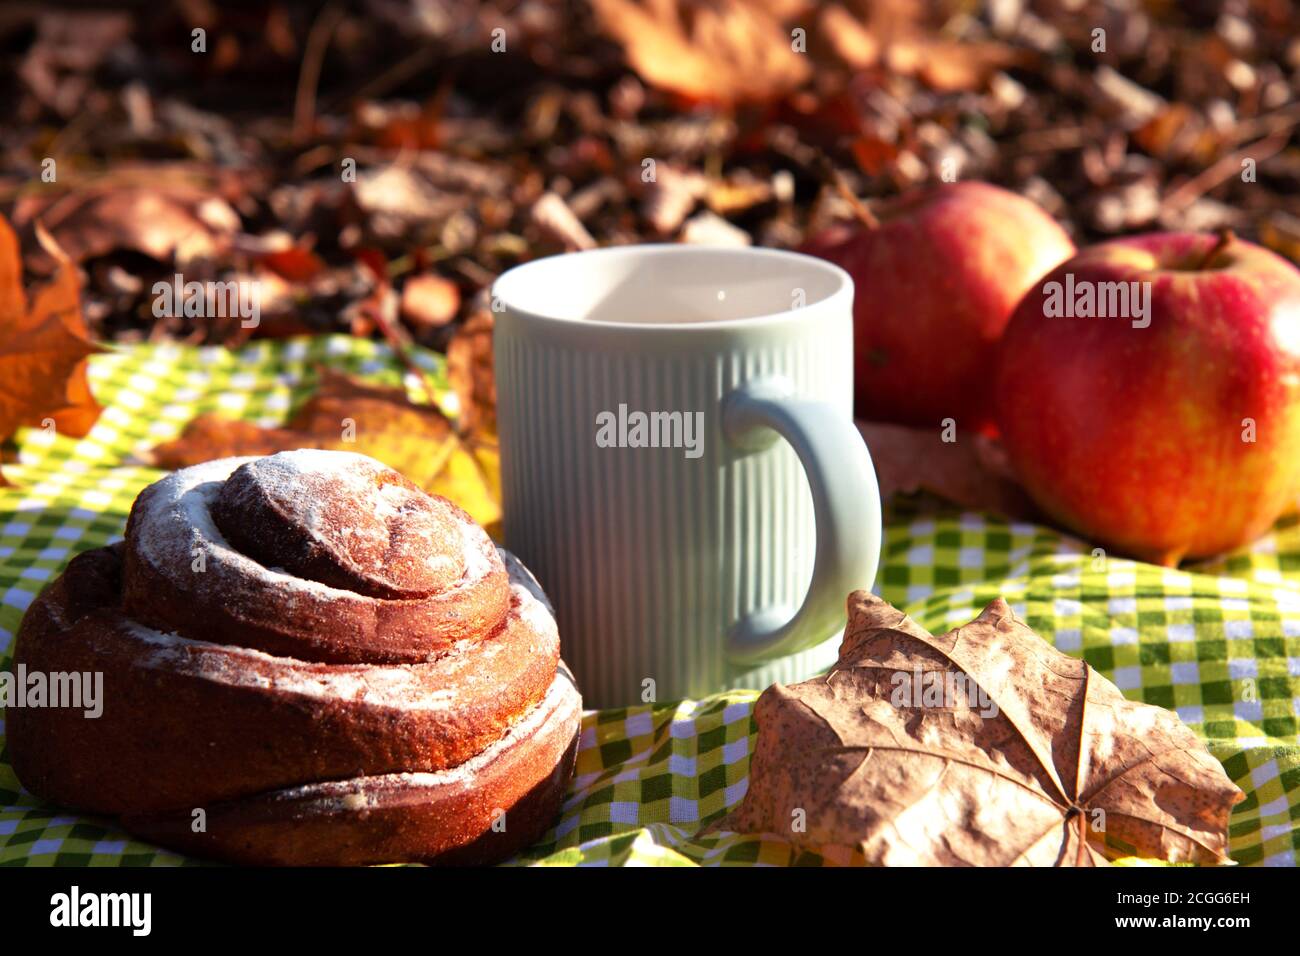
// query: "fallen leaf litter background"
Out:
[226,165]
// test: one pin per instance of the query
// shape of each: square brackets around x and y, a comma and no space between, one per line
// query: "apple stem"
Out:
[1225,237]
[860,210]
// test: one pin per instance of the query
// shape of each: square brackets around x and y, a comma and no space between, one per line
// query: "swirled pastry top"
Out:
[317,555]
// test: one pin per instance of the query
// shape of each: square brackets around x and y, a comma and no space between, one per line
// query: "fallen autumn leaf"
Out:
[724,52]
[1026,756]
[43,346]
[417,440]
[971,472]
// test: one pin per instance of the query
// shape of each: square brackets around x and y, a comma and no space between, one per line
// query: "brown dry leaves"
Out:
[469,367]
[1061,769]
[747,51]
[168,220]
[344,413]
[971,472]
[733,51]
[891,35]
[44,345]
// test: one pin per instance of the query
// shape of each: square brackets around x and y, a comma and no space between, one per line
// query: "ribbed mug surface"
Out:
[651,555]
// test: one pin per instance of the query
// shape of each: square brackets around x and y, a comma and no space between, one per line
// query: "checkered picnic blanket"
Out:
[1219,643]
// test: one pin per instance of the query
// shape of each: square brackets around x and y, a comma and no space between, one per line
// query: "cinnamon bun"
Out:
[306,659]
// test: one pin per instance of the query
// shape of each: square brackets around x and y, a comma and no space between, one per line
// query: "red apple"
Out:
[1166,434]
[936,282]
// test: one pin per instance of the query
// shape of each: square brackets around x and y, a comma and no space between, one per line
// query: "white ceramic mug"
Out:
[680,467]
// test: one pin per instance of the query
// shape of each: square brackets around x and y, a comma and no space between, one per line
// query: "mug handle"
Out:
[846,508]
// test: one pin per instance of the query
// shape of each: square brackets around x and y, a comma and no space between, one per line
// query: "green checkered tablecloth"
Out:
[1219,643]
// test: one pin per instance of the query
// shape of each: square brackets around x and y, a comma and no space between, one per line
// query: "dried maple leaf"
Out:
[950,66]
[167,221]
[894,34]
[212,436]
[1022,756]
[470,370]
[719,51]
[344,413]
[43,346]
[971,472]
